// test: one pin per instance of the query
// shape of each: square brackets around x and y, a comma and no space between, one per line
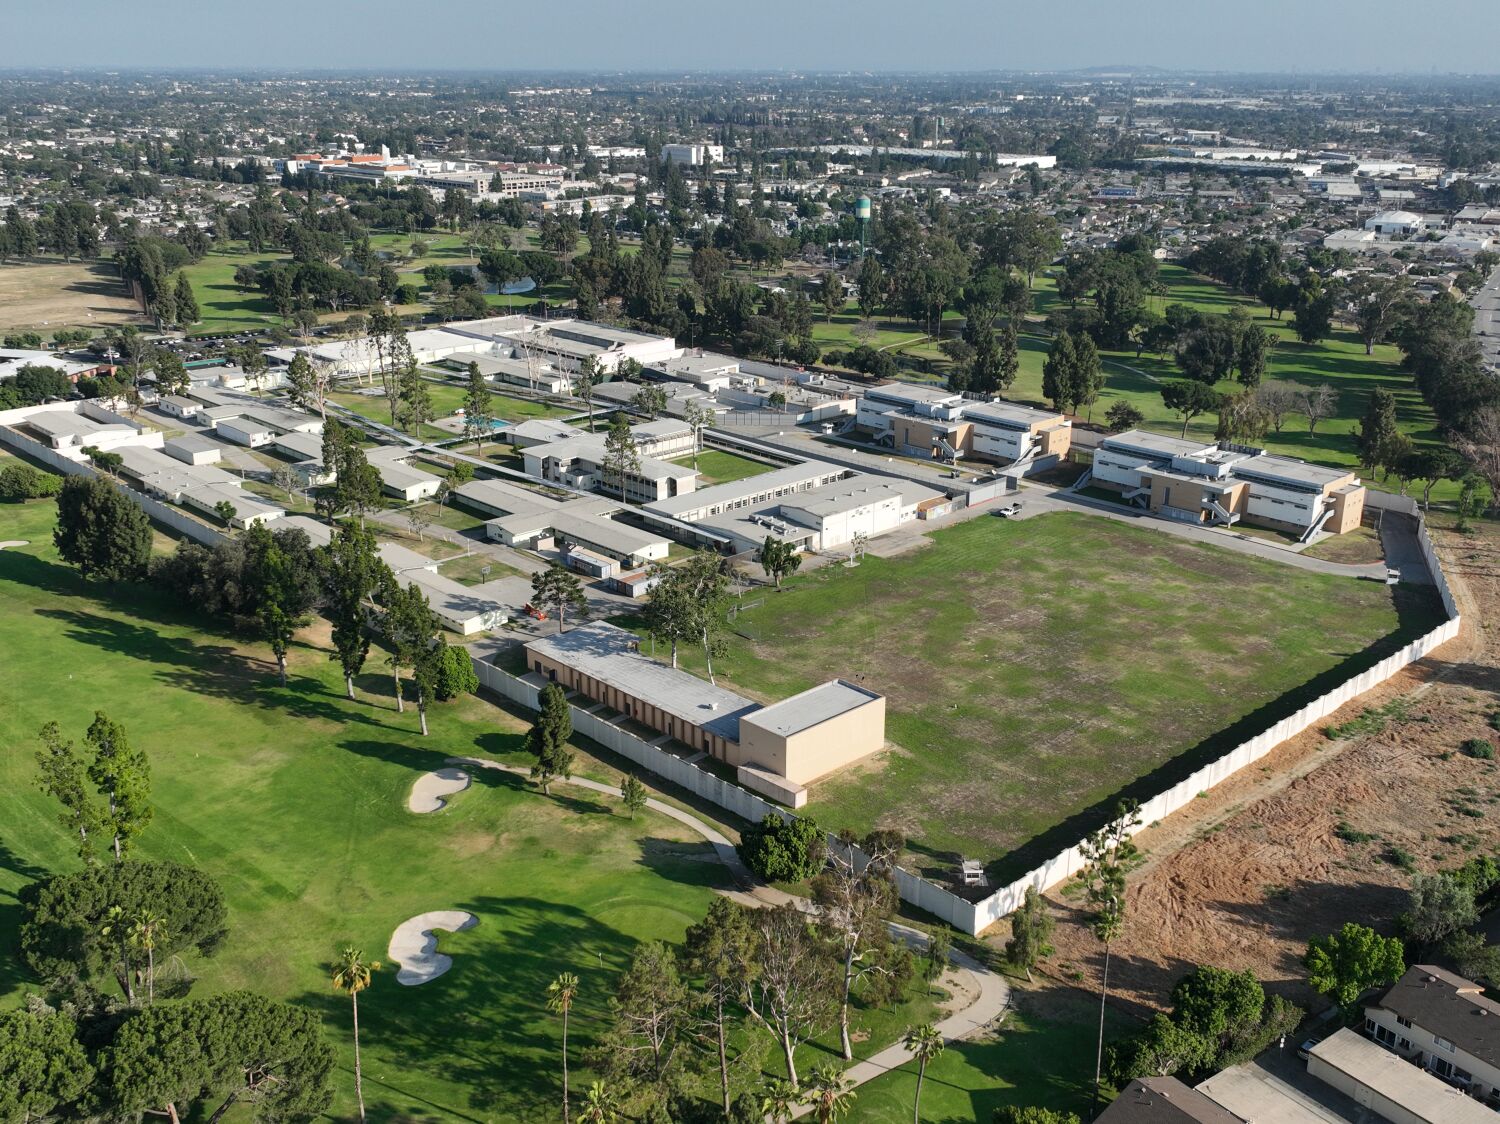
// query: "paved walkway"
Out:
[967,976]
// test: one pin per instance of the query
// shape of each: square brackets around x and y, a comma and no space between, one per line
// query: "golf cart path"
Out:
[990,992]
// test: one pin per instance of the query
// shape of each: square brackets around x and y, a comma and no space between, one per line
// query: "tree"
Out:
[924,1043]
[1318,403]
[1189,399]
[478,411]
[303,385]
[698,419]
[407,625]
[43,1066]
[1251,358]
[352,973]
[356,483]
[779,558]
[1346,964]
[1375,439]
[782,850]
[935,961]
[598,1105]
[455,673]
[671,616]
[187,304]
[65,918]
[1014,1114]
[1440,905]
[829,1093]
[560,995]
[649,1010]
[62,776]
[101,531]
[122,777]
[584,382]
[1122,415]
[20,481]
[1312,314]
[1433,465]
[1480,443]
[779,1099]
[414,407]
[147,932]
[206,1055]
[717,952]
[1108,854]
[548,738]
[171,372]
[558,588]
[351,574]
[789,995]
[649,400]
[1379,304]
[633,793]
[704,591]
[621,457]
[1088,375]
[1031,932]
[284,589]
[1059,373]
[855,896]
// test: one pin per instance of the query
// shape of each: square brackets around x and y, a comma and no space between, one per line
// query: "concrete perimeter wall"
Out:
[972,917]
[164,514]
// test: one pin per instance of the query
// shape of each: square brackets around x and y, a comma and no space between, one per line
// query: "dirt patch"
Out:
[51,295]
[1322,831]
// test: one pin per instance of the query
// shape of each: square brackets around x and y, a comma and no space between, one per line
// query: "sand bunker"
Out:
[414,945]
[14,542]
[429,789]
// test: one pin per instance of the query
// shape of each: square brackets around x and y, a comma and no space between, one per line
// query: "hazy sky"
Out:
[1442,36]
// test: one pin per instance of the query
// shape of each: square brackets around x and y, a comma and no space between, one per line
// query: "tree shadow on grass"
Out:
[214,670]
[483,1025]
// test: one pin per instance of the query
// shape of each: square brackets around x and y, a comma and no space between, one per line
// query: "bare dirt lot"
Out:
[46,295]
[1324,831]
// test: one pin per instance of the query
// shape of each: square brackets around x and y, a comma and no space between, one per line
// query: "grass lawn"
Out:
[469,569]
[1357,547]
[718,467]
[1035,669]
[1043,1058]
[295,800]
[224,305]
[378,409]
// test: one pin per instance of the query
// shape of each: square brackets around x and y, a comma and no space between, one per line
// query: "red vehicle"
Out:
[532,611]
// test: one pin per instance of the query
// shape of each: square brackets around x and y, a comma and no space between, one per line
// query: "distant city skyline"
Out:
[1257,36]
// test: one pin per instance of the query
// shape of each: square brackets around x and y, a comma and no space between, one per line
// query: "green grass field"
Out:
[718,467]
[294,799]
[1035,669]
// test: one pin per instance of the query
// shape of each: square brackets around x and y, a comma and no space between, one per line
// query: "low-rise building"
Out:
[1443,1023]
[1164,1100]
[778,748]
[524,518]
[928,421]
[193,448]
[1388,1086]
[1220,482]
[581,461]
[400,479]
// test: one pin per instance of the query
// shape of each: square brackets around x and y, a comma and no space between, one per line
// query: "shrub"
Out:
[779,850]
[23,482]
[1479,748]
[456,675]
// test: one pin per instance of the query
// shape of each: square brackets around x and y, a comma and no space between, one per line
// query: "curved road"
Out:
[990,991]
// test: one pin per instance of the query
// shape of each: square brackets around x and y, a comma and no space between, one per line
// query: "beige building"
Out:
[778,749]
[1388,1086]
[1223,483]
[932,422]
[1443,1023]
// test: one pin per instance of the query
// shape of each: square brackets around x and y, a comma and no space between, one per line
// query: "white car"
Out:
[1009,511]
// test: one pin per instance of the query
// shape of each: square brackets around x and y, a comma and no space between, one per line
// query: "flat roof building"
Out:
[777,748]
[1220,482]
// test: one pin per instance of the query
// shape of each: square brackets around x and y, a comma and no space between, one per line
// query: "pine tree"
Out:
[1377,434]
[1058,373]
[187,304]
[548,738]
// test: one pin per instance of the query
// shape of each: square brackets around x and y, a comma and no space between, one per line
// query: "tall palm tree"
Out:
[829,1093]
[116,927]
[598,1105]
[146,932]
[351,973]
[923,1043]
[560,995]
[778,1100]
